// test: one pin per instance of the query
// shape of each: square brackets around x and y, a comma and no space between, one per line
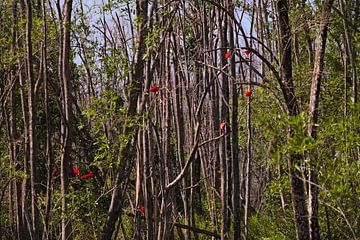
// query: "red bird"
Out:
[222,125]
[142,209]
[87,176]
[154,88]
[248,93]
[54,172]
[76,171]
[247,52]
[227,54]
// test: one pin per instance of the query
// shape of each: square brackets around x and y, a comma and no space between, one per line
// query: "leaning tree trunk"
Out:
[313,115]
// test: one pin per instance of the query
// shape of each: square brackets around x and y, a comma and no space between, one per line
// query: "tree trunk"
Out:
[10,124]
[307,35]
[49,152]
[25,217]
[66,231]
[20,228]
[350,50]
[287,88]
[167,197]
[313,115]
[148,194]
[138,187]
[32,123]
[180,135]
[224,116]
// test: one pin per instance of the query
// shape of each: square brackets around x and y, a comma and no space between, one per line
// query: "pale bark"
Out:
[66,231]
[224,116]
[32,122]
[314,99]
[49,151]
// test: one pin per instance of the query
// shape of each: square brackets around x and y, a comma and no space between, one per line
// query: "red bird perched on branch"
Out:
[142,209]
[248,92]
[227,54]
[76,171]
[54,172]
[87,176]
[247,52]
[222,125]
[154,88]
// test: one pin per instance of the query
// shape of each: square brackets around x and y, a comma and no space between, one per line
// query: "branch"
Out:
[191,157]
[213,139]
[188,162]
[339,210]
[264,60]
[197,230]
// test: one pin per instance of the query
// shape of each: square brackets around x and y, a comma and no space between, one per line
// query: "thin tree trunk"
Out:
[24,205]
[66,231]
[179,121]
[49,152]
[248,164]
[32,122]
[286,84]
[25,218]
[235,176]
[10,138]
[138,187]
[248,168]
[212,179]
[13,126]
[148,195]
[224,116]
[313,201]
[351,52]
[328,224]
[168,199]
[307,35]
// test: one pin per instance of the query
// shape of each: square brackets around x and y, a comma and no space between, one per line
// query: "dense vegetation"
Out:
[203,119]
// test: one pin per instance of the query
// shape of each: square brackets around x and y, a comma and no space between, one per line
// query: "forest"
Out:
[179,119]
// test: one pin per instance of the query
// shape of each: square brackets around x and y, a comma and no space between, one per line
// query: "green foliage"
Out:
[108,107]
[115,66]
[152,39]
[115,4]
[271,227]
[84,206]
[300,141]
[340,142]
